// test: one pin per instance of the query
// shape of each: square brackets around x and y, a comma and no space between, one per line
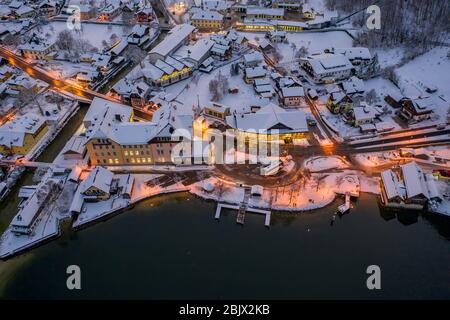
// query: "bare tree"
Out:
[371,96]
[29,96]
[302,52]
[12,40]
[135,55]
[65,40]
[215,90]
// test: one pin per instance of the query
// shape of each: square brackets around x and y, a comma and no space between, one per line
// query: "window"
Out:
[116,161]
[131,153]
[125,153]
[149,160]
[132,160]
[110,160]
[137,152]
[104,160]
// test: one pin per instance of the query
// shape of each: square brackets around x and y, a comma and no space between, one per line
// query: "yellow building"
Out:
[21,134]
[166,72]
[114,140]
[207,20]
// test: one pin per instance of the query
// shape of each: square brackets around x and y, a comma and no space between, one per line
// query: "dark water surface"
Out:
[171,247]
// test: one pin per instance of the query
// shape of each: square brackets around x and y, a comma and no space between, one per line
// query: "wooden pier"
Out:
[241,212]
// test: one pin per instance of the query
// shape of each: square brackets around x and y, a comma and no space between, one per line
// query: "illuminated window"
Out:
[143,160]
[132,160]
[137,152]
[116,161]
[138,160]
[131,153]
[149,160]
[126,153]
[110,161]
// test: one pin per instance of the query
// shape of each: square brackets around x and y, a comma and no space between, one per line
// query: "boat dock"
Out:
[343,208]
[241,212]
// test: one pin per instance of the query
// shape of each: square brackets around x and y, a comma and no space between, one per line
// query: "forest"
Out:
[411,23]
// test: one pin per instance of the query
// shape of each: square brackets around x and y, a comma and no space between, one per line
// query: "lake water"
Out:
[172,248]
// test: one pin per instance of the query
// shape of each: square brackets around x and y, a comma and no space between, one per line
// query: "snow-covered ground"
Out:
[95,33]
[431,68]
[200,91]
[322,163]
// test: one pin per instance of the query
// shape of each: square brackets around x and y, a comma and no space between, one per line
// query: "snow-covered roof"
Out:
[265,11]
[254,57]
[364,113]
[197,51]
[292,92]
[99,178]
[102,115]
[132,132]
[207,15]
[12,133]
[392,186]
[24,10]
[269,117]
[414,180]
[255,72]
[353,85]
[76,144]
[354,53]
[173,39]
[325,63]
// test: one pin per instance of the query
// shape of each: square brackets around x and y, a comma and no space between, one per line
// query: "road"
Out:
[47,77]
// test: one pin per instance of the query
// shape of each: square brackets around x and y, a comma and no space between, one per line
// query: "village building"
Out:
[292,96]
[408,189]
[37,48]
[114,140]
[48,8]
[289,5]
[362,60]
[328,68]
[24,12]
[415,110]
[276,36]
[197,53]
[97,185]
[272,122]
[179,35]
[207,20]
[110,11]
[339,102]
[165,72]
[251,74]
[139,34]
[21,134]
[145,15]
[264,13]
[75,148]
[253,59]
[363,115]
[217,111]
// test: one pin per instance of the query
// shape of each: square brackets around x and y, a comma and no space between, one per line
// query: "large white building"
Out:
[328,67]
[178,36]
